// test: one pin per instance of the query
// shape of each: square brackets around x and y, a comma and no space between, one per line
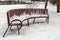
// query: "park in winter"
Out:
[29,20]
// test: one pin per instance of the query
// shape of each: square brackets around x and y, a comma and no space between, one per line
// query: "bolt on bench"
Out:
[24,15]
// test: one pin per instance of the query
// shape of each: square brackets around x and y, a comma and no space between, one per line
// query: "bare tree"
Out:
[46,4]
[57,5]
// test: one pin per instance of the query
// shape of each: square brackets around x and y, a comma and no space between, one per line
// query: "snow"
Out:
[41,31]
[25,16]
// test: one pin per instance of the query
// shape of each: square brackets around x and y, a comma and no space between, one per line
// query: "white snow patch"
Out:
[41,31]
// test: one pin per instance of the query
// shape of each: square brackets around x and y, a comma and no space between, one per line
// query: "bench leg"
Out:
[20,26]
[34,20]
[28,21]
[18,29]
[47,20]
[10,27]
[6,31]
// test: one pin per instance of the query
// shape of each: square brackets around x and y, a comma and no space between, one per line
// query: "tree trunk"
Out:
[46,4]
[57,6]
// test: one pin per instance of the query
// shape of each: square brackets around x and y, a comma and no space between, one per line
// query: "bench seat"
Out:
[23,17]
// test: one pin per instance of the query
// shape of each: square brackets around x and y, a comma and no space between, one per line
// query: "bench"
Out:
[27,14]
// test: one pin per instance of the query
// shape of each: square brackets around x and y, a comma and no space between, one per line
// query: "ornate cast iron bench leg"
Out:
[6,31]
[34,20]
[18,29]
[10,27]
[47,19]
[28,21]
[21,26]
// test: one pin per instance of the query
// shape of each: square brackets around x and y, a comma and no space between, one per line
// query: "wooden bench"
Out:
[31,15]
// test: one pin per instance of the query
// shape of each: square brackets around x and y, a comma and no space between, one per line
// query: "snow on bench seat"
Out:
[22,17]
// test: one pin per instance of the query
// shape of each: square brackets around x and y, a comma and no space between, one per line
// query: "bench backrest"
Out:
[18,12]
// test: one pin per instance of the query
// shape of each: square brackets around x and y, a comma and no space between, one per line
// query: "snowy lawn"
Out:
[41,31]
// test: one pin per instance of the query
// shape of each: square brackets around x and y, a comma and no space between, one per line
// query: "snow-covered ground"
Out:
[41,31]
